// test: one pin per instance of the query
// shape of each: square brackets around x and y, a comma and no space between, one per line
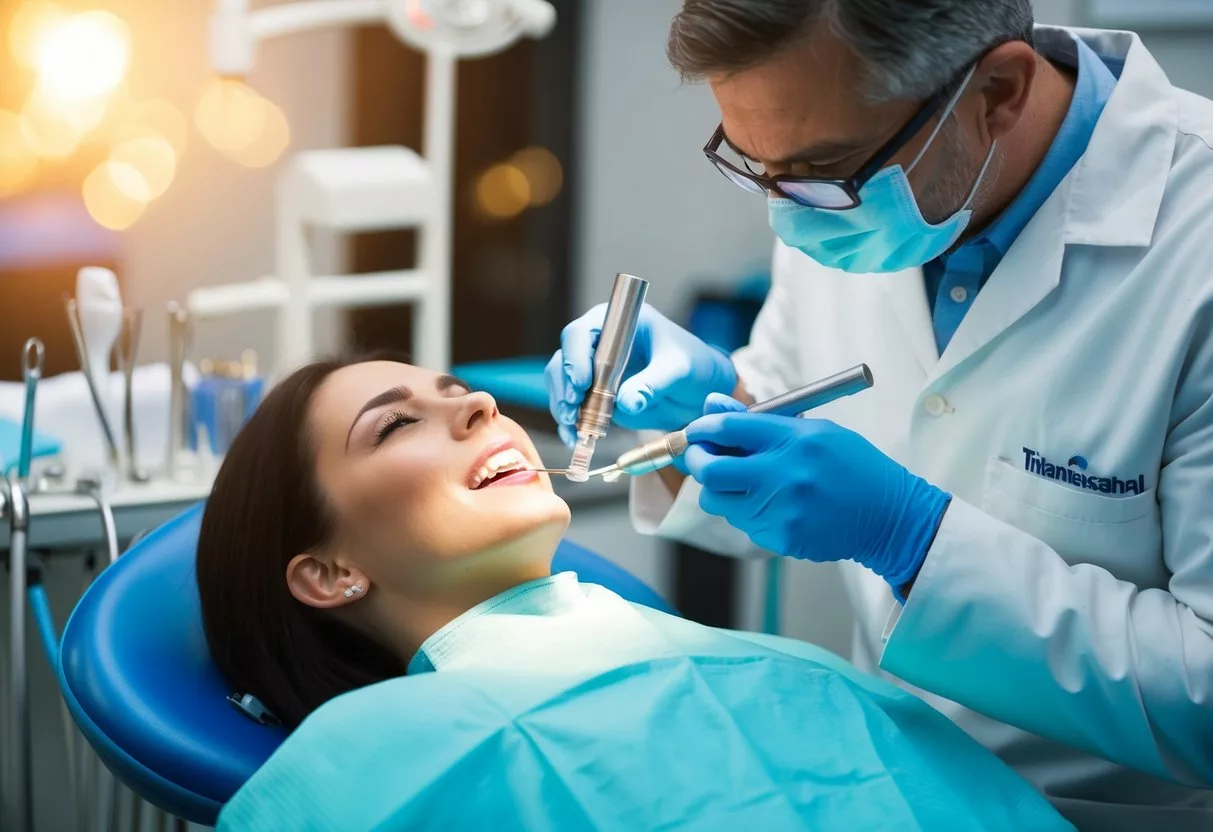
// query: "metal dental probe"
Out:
[180,335]
[19,746]
[111,444]
[32,357]
[661,452]
[128,343]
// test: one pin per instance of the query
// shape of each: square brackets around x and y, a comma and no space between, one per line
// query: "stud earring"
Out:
[351,591]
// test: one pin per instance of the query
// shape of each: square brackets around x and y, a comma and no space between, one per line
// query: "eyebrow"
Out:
[399,395]
[839,148]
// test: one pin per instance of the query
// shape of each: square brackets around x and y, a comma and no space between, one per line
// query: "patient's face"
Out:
[417,471]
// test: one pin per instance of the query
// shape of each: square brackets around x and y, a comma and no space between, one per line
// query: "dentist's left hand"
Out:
[810,489]
[669,374]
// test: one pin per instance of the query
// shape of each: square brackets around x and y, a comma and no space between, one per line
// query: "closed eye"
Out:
[391,422]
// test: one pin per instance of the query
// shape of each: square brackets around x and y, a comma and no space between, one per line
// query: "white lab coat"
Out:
[1068,629]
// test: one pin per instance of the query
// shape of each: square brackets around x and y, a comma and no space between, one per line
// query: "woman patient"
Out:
[375,522]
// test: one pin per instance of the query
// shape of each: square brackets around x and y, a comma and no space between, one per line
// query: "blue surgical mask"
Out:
[886,232]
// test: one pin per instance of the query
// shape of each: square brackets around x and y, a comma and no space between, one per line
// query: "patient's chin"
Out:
[538,515]
[534,501]
[519,547]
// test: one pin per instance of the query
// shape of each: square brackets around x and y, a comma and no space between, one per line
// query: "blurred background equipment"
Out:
[370,189]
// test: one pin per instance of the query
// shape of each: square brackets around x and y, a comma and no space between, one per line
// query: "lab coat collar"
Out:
[1117,188]
[1112,197]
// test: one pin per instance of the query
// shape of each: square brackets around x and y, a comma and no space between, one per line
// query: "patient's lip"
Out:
[519,477]
[495,446]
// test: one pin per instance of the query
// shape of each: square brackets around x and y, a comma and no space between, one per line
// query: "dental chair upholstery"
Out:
[139,681]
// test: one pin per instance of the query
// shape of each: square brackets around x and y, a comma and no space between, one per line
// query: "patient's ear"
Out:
[319,582]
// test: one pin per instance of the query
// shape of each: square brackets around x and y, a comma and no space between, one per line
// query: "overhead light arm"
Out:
[460,28]
[235,30]
[442,30]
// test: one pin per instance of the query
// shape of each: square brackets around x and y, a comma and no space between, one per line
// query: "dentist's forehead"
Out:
[809,93]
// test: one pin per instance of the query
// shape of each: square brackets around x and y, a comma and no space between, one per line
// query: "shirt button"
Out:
[935,405]
[960,294]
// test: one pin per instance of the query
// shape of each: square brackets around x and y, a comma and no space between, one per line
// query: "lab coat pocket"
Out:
[1121,534]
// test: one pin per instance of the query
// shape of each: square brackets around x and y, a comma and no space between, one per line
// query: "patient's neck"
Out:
[408,619]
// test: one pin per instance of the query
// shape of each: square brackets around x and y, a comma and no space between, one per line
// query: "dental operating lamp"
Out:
[364,189]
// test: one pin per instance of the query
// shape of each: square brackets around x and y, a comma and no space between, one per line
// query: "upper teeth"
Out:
[507,460]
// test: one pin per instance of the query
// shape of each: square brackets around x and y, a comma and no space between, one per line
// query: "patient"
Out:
[377,523]
[363,507]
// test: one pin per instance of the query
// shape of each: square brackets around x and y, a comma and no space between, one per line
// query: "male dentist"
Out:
[1013,226]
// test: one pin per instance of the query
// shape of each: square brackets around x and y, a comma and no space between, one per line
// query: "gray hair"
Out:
[907,48]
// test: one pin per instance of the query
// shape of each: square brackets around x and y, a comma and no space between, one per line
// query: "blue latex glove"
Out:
[813,490]
[668,377]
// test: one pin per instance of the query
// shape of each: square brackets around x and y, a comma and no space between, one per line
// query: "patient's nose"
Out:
[476,411]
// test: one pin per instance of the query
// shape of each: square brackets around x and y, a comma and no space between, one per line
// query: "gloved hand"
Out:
[669,374]
[813,490]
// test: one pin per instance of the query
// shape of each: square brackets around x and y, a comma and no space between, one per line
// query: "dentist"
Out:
[1013,226]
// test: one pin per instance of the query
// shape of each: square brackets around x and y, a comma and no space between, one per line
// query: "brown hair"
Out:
[265,508]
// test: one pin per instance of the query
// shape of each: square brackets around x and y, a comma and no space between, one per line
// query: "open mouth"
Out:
[506,466]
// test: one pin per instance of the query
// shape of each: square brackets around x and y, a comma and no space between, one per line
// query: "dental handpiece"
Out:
[661,452]
[610,360]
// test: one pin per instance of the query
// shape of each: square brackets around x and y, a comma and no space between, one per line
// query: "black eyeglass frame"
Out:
[850,186]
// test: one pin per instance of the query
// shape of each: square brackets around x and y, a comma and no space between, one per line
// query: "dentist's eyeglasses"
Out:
[826,194]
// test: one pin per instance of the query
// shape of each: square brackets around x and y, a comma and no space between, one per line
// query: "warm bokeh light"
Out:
[273,139]
[47,131]
[28,28]
[230,115]
[543,173]
[154,119]
[81,117]
[128,181]
[78,100]
[153,161]
[82,57]
[502,192]
[18,163]
[107,201]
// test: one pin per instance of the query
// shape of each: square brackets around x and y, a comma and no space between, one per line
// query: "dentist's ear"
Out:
[318,582]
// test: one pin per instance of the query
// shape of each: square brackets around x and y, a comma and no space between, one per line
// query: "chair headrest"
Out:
[139,680]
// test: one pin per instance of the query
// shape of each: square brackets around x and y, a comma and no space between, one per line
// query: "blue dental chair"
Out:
[139,681]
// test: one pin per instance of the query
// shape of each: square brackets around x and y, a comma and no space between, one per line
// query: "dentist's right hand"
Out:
[669,374]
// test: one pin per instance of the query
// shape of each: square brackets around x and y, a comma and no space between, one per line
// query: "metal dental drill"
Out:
[610,360]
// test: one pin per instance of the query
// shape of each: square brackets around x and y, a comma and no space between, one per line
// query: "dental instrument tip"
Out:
[610,473]
[579,467]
